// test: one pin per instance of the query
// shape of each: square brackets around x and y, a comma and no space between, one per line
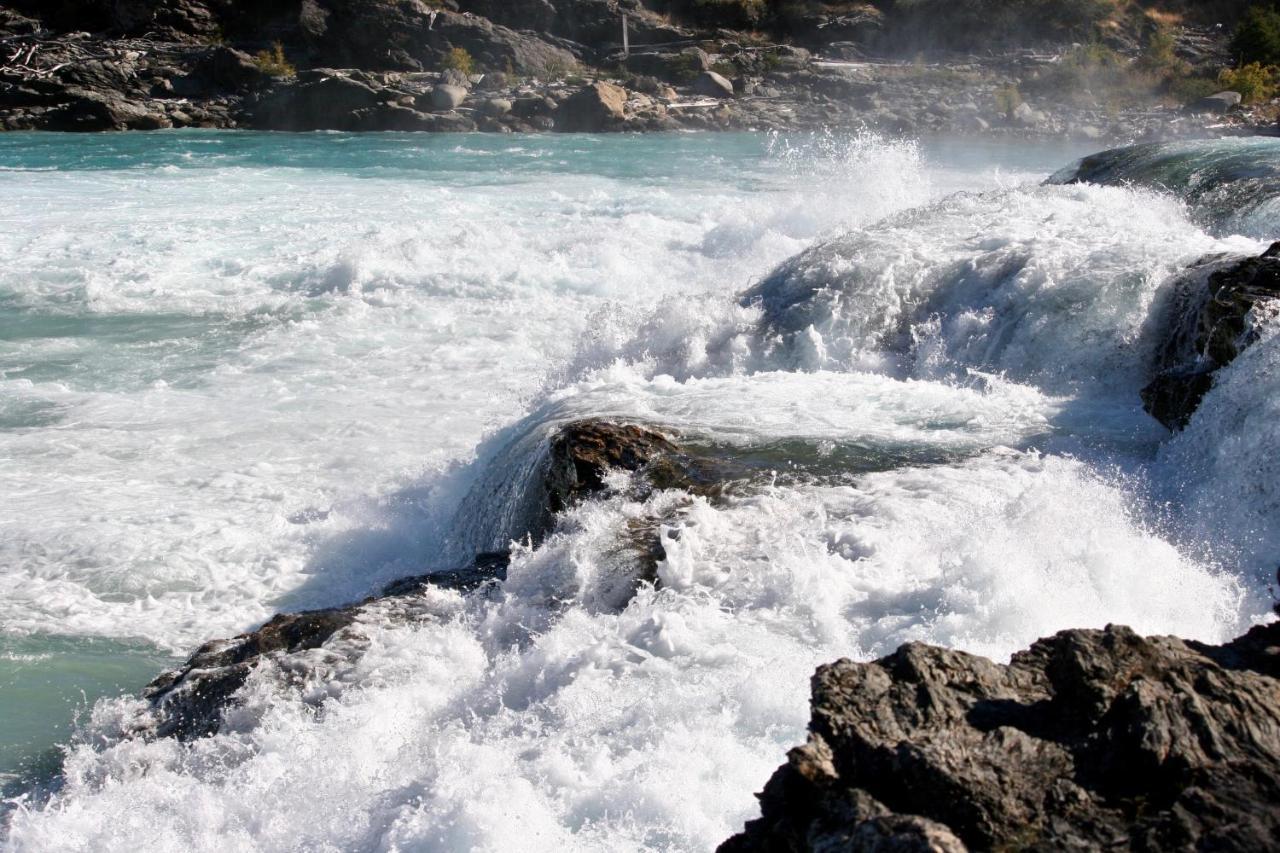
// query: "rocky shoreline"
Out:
[401,65]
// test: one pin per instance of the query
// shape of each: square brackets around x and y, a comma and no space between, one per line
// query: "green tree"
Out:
[1257,39]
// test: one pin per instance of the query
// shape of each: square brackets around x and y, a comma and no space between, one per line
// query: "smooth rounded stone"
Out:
[713,85]
[447,96]
[1216,104]
[496,107]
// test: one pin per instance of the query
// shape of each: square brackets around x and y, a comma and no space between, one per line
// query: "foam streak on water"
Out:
[248,373]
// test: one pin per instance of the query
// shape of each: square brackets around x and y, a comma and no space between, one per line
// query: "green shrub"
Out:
[274,62]
[1255,82]
[1257,39]
[458,59]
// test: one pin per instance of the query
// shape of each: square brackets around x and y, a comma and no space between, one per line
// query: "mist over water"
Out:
[245,373]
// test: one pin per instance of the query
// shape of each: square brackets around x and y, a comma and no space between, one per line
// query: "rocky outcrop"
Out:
[1212,318]
[1088,740]
[194,700]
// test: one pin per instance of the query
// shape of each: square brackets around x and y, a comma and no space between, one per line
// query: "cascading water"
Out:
[933,366]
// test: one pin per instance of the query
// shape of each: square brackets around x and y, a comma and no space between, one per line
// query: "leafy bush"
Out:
[1257,39]
[274,62]
[1255,82]
[458,59]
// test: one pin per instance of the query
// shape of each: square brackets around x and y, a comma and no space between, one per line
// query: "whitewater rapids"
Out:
[244,374]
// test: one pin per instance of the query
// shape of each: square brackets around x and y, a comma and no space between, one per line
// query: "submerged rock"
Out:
[192,701]
[1087,740]
[1212,323]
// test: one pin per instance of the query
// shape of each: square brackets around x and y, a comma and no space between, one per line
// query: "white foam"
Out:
[549,720]
[349,341]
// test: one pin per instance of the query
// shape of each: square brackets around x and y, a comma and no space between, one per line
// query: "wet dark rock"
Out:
[1088,740]
[1210,324]
[583,453]
[485,568]
[192,701]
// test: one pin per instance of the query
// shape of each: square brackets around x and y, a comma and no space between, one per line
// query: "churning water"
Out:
[246,373]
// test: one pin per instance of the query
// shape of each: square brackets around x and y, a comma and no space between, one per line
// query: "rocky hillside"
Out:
[523,65]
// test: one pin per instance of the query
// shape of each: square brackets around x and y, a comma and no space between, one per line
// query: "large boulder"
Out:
[1217,104]
[713,85]
[411,35]
[447,97]
[318,101]
[223,69]
[1211,318]
[600,106]
[91,111]
[1089,740]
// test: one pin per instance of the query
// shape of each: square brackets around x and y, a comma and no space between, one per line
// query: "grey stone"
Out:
[446,96]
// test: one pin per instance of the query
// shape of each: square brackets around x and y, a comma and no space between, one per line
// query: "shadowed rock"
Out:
[1211,325]
[1087,740]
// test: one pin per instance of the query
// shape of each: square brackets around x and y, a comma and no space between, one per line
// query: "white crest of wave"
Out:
[1046,284]
[1223,470]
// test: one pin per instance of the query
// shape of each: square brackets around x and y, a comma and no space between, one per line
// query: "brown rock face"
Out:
[583,453]
[1088,740]
[592,109]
